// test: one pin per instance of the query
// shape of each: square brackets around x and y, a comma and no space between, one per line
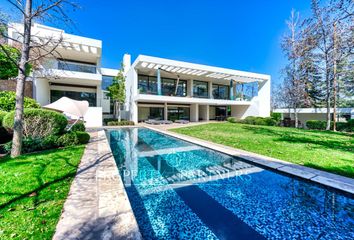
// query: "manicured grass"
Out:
[33,189]
[328,151]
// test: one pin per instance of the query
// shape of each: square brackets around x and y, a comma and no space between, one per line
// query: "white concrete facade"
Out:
[205,108]
[74,70]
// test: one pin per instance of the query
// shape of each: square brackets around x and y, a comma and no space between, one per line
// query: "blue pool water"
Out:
[180,190]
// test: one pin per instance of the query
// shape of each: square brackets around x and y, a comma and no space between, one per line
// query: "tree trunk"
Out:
[328,96]
[335,77]
[21,80]
[118,109]
[296,118]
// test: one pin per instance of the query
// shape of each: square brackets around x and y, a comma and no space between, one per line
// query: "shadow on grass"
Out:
[44,185]
[301,137]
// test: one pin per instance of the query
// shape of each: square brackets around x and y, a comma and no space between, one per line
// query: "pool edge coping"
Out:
[327,179]
[98,184]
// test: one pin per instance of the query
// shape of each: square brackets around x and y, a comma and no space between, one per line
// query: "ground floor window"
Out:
[88,96]
[146,113]
[219,113]
[178,113]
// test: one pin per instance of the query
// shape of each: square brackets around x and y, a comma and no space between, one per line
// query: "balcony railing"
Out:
[77,67]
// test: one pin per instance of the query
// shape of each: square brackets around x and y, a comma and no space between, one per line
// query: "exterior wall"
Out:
[241,112]
[42,91]
[264,99]
[194,113]
[204,112]
[10,85]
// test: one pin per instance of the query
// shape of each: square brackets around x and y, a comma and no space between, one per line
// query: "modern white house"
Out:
[74,72]
[156,88]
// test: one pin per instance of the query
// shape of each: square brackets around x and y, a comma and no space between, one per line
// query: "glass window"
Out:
[168,86]
[88,96]
[156,113]
[178,113]
[143,83]
[106,82]
[76,66]
[200,89]
[246,91]
[221,91]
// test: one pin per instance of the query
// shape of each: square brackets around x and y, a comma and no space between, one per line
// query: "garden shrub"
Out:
[350,125]
[231,119]
[341,126]
[30,144]
[83,137]
[250,120]
[79,126]
[8,68]
[38,123]
[269,121]
[8,101]
[4,135]
[276,117]
[121,123]
[316,124]
[68,139]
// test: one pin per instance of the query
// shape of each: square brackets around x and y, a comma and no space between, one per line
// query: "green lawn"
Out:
[328,151]
[33,189]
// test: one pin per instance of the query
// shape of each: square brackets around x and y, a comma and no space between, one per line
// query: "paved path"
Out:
[97,206]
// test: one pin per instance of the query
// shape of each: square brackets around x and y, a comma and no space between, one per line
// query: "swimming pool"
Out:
[180,190]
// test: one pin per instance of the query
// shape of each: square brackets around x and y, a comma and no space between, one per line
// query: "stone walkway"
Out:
[331,180]
[97,206]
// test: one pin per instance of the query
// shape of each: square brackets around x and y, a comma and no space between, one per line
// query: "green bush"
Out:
[79,126]
[316,124]
[276,116]
[350,125]
[68,139]
[341,126]
[250,120]
[38,123]
[269,121]
[8,101]
[83,137]
[231,119]
[4,135]
[121,123]
[2,115]
[30,144]
[8,68]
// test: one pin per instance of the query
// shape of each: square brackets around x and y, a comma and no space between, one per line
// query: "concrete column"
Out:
[264,98]
[194,112]
[165,112]
[204,112]
[159,92]
[190,88]
[231,90]
[210,88]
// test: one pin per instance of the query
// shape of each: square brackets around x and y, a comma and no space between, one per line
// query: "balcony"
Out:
[70,72]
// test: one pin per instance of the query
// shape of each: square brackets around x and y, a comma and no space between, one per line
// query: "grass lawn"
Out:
[33,189]
[328,151]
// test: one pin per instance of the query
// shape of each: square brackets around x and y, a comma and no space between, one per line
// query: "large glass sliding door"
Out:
[153,112]
[200,89]
[177,113]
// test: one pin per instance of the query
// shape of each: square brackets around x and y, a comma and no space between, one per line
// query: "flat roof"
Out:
[313,110]
[198,70]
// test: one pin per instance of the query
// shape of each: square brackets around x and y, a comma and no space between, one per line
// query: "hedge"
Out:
[73,138]
[316,124]
[38,123]
[267,121]
[121,123]
[79,126]
[4,135]
[340,126]
[2,115]
[8,101]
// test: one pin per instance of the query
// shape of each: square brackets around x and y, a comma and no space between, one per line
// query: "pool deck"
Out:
[97,206]
[331,180]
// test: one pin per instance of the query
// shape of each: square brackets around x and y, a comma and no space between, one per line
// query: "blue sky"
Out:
[243,35]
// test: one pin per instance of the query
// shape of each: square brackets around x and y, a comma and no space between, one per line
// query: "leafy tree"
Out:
[8,68]
[33,48]
[8,101]
[117,93]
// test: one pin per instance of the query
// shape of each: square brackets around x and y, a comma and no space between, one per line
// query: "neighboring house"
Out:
[305,114]
[203,92]
[76,74]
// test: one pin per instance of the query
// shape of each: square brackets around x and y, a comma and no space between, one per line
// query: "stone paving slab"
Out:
[331,180]
[97,206]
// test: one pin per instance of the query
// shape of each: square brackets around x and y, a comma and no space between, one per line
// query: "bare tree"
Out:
[332,28]
[293,87]
[33,49]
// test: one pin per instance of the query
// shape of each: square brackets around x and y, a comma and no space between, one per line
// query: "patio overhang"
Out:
[148,64]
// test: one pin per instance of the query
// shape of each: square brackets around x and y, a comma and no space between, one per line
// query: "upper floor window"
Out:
[148,85]
[77,66]
[246,91]
[200,89]
[221,91]
[106,82]
[88,96]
